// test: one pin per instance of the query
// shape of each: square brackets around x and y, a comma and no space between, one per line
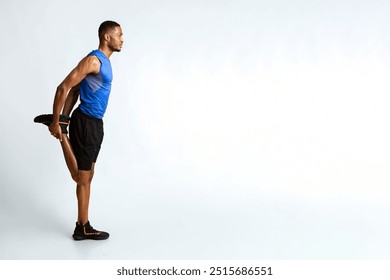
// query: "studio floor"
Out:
[144,227]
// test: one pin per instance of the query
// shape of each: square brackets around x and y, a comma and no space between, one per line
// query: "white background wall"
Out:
[235,129]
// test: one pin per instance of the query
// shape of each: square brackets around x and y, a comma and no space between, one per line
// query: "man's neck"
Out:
[105,50]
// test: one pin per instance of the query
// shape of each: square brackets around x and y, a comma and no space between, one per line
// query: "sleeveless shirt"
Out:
[95,88]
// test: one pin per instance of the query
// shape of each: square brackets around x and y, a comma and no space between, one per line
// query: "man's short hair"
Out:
[106,26]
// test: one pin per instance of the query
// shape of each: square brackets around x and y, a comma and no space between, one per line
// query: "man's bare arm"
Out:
[71,100]
[88,65]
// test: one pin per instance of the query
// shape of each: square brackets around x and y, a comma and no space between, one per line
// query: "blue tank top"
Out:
[95,89]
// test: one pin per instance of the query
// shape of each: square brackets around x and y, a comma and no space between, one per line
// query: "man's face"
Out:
[116,39]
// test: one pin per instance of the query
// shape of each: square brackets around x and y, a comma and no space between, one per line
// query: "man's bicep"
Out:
[87,66]
[73,79]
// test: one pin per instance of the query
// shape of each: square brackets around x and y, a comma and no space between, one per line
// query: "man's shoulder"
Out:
[90,59]
[89,65]
[99,54]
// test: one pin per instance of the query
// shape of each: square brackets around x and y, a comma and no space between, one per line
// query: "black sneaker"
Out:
[48,118]
[82,232]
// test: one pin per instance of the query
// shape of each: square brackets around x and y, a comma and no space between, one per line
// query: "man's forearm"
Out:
[71,100]
[59,101]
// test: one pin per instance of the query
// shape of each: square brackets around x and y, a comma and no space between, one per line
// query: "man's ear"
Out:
[107,37]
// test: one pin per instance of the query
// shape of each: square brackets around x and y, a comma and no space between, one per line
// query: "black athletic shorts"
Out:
[86,137]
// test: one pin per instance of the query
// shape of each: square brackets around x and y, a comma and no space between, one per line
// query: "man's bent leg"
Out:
[70,158]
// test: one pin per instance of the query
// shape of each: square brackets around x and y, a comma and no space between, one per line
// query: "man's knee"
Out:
[83,177]
[75,177]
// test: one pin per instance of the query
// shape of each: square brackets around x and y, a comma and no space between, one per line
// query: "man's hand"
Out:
[55,130]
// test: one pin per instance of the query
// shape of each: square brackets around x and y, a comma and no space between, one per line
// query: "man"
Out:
[91,80]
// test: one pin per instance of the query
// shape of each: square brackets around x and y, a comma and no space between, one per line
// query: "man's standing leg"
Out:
[84,144]
[83,192]
[83,228]
[83,179]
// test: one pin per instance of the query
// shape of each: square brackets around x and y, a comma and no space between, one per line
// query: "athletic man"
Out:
[91,80]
